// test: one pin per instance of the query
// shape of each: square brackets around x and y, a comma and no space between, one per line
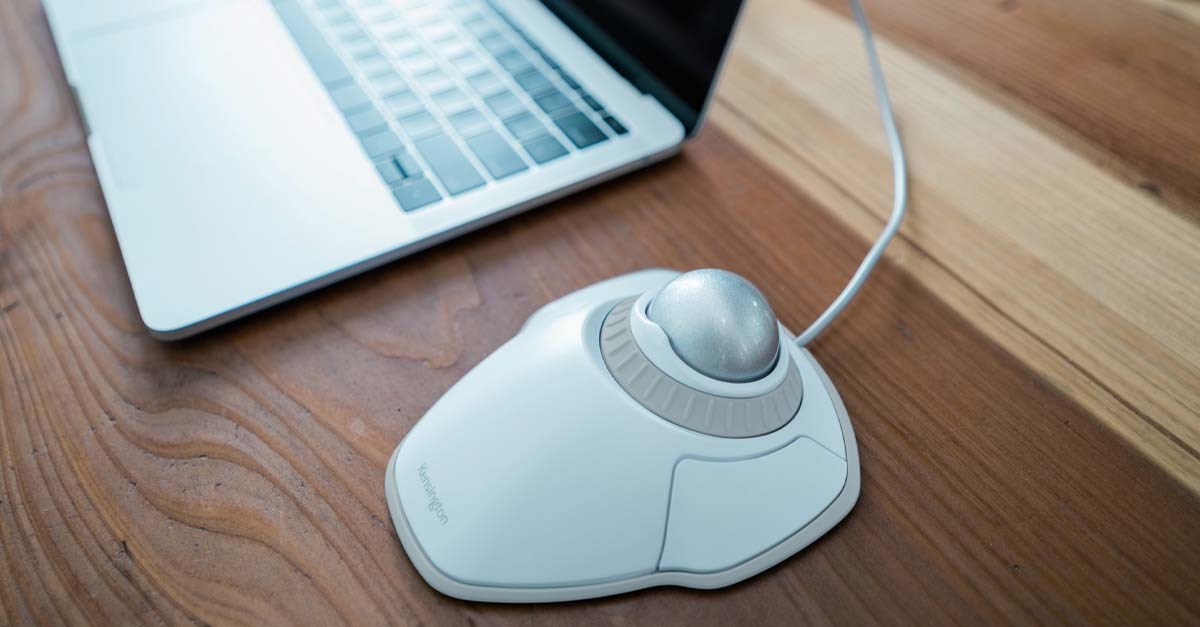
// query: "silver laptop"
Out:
[254,150]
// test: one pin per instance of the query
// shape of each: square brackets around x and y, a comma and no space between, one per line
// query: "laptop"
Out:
[253,150]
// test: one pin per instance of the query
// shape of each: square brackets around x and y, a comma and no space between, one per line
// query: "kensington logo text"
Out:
[435,504]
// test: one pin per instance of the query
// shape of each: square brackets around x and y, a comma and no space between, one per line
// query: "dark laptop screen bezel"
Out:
[620,47]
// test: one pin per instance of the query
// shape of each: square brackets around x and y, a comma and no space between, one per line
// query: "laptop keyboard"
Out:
[444,96]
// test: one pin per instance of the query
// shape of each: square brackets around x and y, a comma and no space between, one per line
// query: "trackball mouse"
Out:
[652,429]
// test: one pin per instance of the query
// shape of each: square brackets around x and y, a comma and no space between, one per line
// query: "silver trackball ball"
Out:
[719,324]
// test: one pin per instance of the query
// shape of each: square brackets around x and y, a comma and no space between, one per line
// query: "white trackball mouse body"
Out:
[587,457]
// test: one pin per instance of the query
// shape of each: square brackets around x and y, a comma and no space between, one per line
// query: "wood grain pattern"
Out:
[1180,9]
[236,478]
[1089,279]
[1122,77]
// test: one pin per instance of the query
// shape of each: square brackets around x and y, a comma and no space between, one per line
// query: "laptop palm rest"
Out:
[220,151]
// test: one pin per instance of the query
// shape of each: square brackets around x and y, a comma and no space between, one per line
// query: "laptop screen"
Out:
[671,49]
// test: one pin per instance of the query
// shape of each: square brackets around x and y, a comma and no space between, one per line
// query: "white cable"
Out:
[900,193]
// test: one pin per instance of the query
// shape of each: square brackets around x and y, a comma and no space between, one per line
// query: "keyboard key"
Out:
[363,50]
[366,122]
[524,126]
[381,144]
[412,194]
[449,164]
[383,18]
[393,31]
[496,155]
[349,97]
[592,102]
[486,31]
[416,60]
[448,39]
[569,80]
[348,32]
[580,130]
[376,66]
[552,101]
[321,57]
[504,104]
[616,126]
[389,83]
[389,30]
[544,148]
[344,27]
[408,165]
[422,12]
[403,103]
[403,46]
[485,83]
[419,11]
[478,25]
[514,62]
[433,78]
[381,23]
[469,122]
[460,52]
[337,15]
[419,124]
[441,34]
[466,10]
[450,100]
[455,48]
[534,82]
[390,173]
[467,62]
[495,43]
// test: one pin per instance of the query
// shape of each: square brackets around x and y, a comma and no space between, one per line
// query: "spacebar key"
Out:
[449,163]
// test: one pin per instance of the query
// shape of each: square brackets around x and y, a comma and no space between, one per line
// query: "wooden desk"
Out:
[1023,372]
